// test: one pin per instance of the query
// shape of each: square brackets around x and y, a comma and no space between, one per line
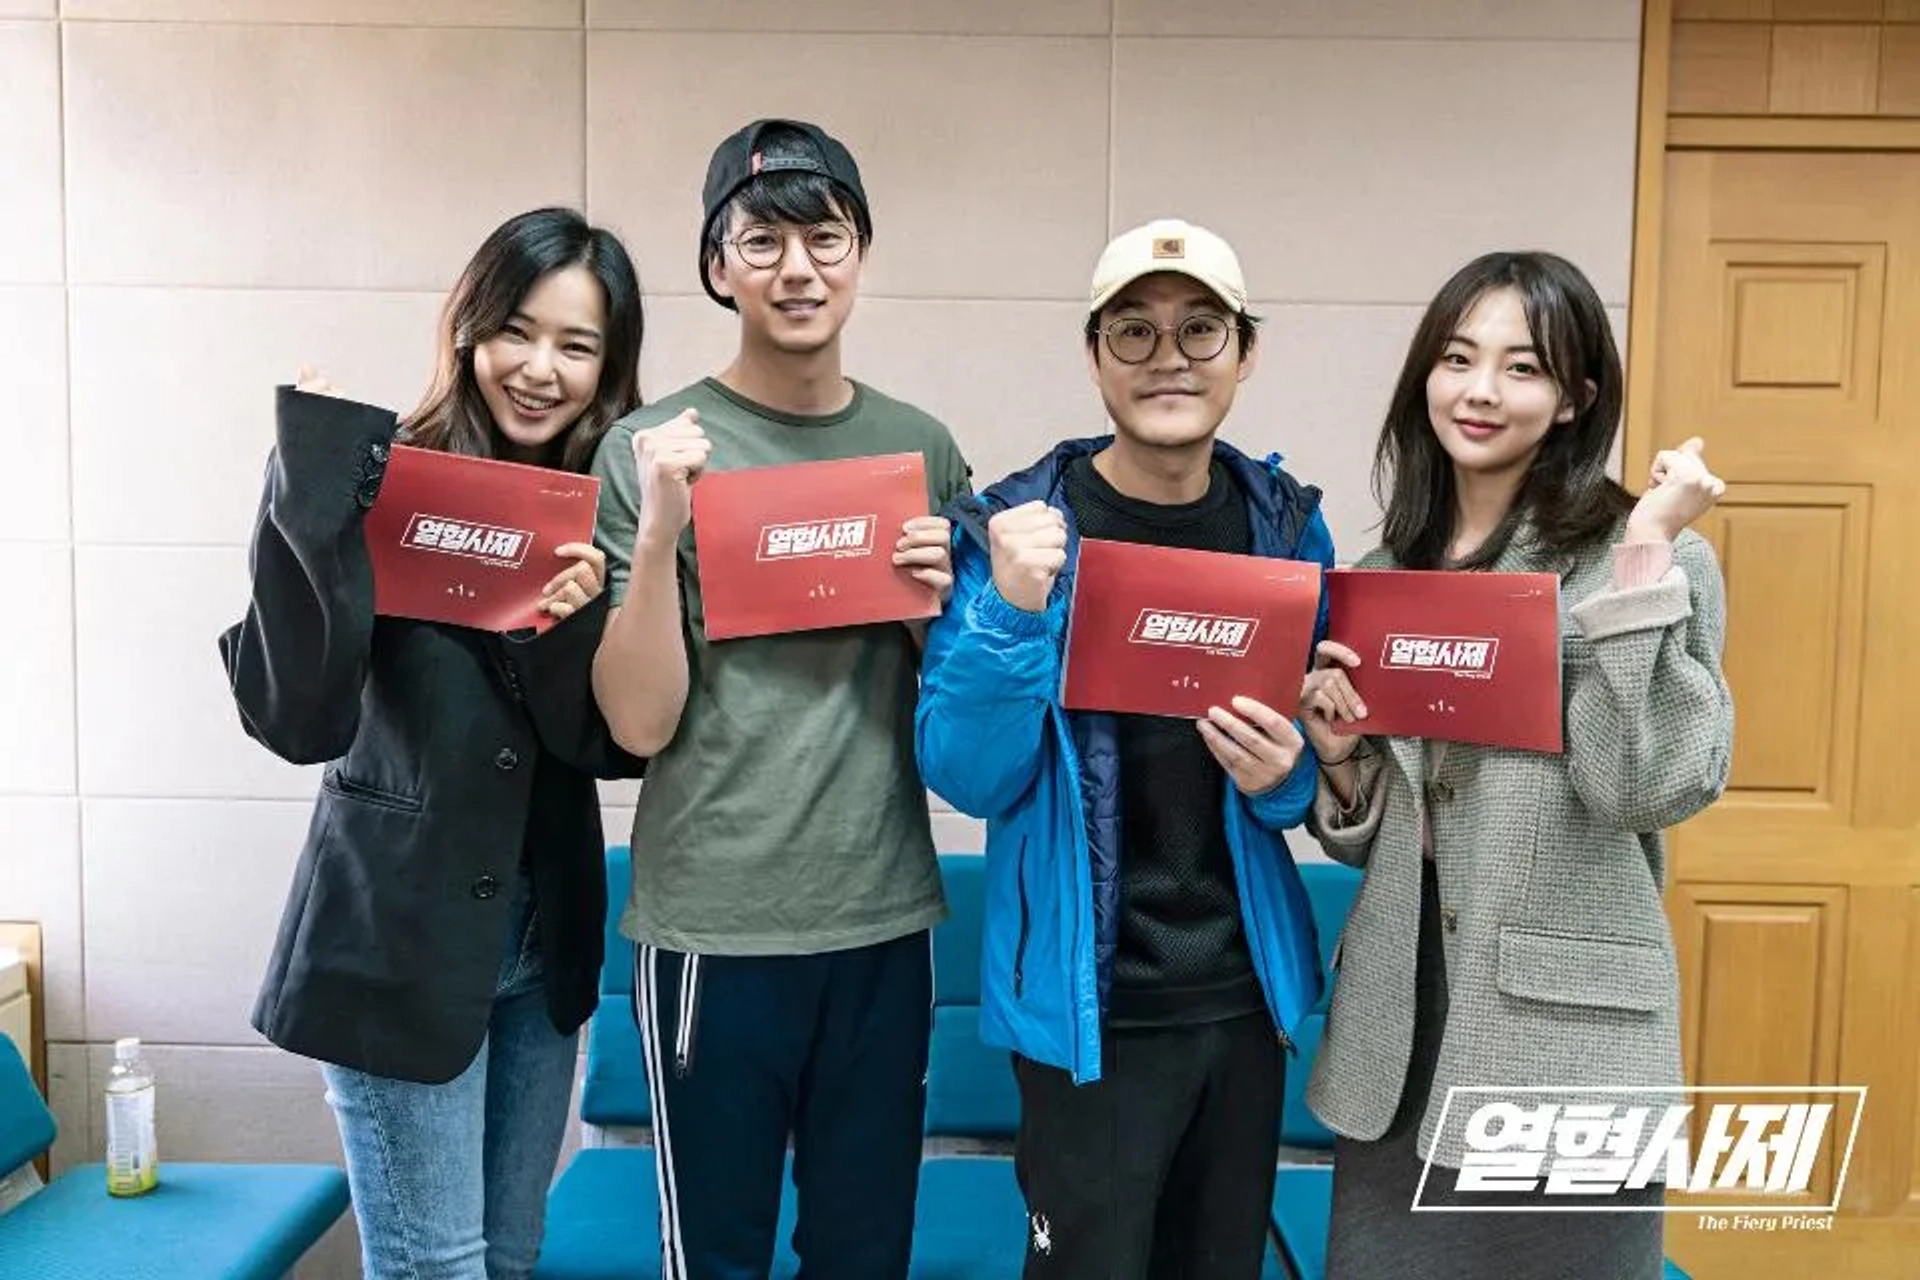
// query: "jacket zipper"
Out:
[1026,922]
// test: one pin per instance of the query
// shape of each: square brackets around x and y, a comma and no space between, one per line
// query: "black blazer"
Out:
[447,748]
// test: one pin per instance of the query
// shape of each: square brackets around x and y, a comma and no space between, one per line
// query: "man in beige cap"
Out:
[1147,932]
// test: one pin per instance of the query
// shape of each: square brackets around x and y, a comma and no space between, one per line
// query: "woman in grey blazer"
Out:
[1509,930]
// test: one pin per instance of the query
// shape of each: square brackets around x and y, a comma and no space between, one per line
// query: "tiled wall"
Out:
[202,194]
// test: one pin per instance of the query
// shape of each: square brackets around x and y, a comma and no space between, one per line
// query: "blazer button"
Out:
[1441,791]
[506,758]
[1450,919]
[485,887]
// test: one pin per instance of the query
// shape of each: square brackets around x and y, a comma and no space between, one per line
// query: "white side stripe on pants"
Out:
[673,1259]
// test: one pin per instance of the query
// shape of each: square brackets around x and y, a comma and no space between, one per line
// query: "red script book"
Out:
[470,541]
[808,545]
[1169,632]
[1460,657]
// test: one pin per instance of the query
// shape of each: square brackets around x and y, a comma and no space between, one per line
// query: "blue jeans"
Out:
[450,1180]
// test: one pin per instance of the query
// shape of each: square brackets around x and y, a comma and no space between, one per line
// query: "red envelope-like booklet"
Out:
[470,541]
[1165,631]
[1460,657]
[808,545]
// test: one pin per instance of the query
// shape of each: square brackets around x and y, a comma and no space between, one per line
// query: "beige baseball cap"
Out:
[1168,244]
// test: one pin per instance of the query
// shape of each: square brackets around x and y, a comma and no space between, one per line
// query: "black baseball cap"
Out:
[738,161]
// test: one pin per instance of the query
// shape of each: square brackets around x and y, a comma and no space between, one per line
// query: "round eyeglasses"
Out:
[1132,340]
[827,243]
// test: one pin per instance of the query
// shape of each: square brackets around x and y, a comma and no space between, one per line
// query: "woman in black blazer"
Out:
[442,941]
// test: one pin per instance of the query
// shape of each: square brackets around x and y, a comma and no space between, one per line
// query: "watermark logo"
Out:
[1738,1144]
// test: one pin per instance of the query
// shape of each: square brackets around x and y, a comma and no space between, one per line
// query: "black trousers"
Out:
[1164,1169]
[744,1052]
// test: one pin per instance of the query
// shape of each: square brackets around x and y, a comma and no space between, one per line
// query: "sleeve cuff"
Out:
[990,611]
[1357,824]
[1645,608]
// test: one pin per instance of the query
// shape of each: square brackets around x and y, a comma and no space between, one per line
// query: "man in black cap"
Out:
[784,878]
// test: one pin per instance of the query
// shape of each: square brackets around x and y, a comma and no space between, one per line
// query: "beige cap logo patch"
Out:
[1170,247]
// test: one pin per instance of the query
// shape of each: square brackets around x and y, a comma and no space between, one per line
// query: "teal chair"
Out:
[203,1222]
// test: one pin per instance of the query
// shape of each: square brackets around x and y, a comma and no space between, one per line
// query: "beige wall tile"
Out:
[985,159]
[957,833]
[40,881]
[335,1257]
[30,242]
[154,864]
[173,394]
[68,1089]
[156,717]
[1318,396]
[689,338]
[619,794]
[310,157]
[236,1104]
[33,333]
[29,8]
[1369,171]
[1394,19]
[36,680]
[394,13]
[616,821]
[939,17]
[1008,378]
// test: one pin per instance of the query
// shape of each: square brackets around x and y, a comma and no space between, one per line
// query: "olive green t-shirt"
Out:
[787,815]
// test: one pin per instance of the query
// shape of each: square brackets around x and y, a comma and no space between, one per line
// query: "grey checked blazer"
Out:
[1560,965]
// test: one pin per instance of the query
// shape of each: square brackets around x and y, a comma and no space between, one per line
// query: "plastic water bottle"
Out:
[133,1153]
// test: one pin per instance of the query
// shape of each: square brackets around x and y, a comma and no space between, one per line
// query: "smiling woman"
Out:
[540,372]
[441,942]
[522,371]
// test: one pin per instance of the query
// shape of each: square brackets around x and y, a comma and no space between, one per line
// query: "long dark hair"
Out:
[522,251]
[1566,494]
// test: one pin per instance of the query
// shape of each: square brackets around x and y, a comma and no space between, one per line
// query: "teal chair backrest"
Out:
[26,1126]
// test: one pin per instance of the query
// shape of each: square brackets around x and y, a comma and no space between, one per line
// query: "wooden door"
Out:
[1788,335]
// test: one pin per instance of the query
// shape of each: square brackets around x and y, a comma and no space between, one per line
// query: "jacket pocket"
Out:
[347,789]
[1602,973]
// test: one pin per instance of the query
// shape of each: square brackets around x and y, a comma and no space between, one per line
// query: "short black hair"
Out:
[789,195]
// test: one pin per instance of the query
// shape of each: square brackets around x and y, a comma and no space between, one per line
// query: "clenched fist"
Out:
[669,458]
[1029,548]
[1679,491]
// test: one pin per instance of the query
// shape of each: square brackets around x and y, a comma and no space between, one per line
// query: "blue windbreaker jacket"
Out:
[995,742]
